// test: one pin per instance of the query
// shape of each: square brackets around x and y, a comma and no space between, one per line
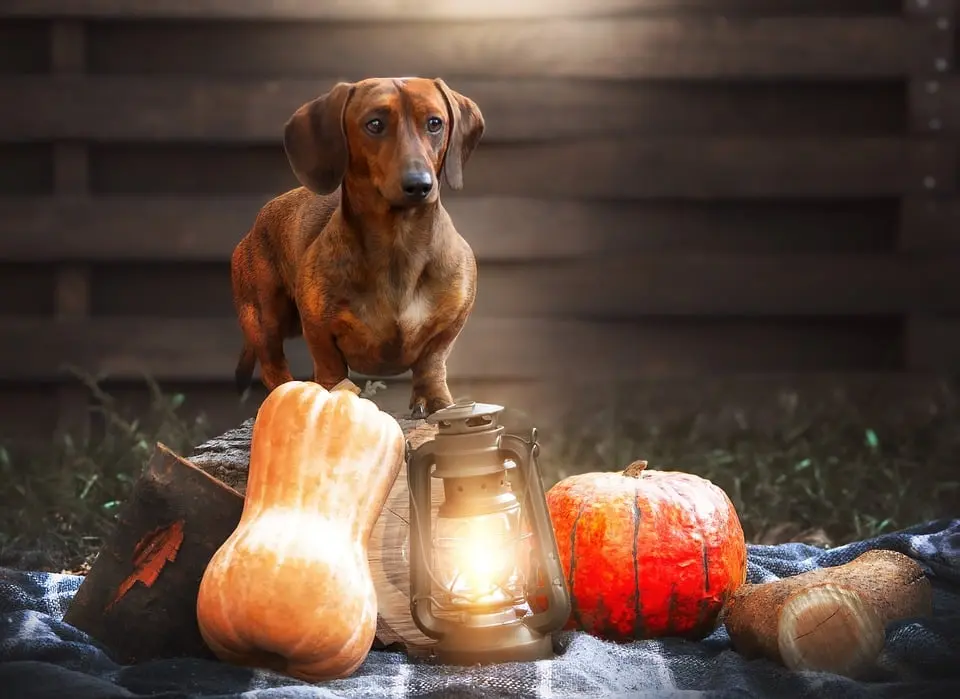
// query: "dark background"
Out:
[668,191]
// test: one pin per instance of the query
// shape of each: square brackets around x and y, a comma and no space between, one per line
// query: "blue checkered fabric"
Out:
[42,657]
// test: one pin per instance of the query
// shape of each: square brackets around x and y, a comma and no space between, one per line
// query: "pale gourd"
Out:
[290,589]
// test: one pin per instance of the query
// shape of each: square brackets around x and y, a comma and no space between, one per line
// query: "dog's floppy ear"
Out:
[464,133]
[315,143]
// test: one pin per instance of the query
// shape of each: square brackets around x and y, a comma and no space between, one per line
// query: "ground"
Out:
[825,461]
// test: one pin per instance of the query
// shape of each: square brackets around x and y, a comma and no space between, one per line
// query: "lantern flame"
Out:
[477,556]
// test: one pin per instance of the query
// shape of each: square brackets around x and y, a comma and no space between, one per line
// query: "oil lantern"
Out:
[490,550]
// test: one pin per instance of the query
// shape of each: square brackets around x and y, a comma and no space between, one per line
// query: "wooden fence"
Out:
[667,187]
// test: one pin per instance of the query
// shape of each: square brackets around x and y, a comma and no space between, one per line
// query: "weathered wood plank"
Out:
[933,344]
[72,304]
[935,19]
[693,168]
[489,349]
[404,10]
[614,287]
[68,47]
[935,105]
[70,170]
[68,52]
[27,169]
[611,48]
[26,288]
[727,285]
[72,292]
[28,413]
[24,46]
[930,8]
[193,229]
[682,168]
[930,224]
[125,109]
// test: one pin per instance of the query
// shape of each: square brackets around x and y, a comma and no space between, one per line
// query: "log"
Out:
[139,598]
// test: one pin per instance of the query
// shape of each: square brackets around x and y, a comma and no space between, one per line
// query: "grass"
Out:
[825,471]
[57,505]
[816,471]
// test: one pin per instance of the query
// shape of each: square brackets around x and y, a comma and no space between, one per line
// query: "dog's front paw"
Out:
[422,407]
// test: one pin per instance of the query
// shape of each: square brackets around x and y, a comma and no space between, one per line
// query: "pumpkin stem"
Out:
[635,469]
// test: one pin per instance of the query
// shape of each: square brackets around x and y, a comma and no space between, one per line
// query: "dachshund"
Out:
[362,260]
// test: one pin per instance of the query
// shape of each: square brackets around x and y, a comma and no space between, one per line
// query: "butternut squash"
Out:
[290,589]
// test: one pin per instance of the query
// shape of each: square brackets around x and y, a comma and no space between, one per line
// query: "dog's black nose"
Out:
[417,184]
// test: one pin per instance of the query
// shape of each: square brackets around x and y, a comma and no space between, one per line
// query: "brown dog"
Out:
[363,260]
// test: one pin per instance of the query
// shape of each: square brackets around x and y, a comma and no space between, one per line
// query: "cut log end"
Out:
[831,619]
[829,628]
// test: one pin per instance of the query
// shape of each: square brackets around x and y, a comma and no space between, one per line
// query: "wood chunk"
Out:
[139,598]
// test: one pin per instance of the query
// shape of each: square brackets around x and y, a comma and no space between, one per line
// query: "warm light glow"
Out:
[476,557]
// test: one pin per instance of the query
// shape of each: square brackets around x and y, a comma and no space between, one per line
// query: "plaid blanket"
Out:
[42,657]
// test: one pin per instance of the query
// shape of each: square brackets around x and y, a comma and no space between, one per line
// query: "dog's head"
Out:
[396,135]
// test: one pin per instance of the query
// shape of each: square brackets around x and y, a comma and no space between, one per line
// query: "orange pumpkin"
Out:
[646,553]
[290,589]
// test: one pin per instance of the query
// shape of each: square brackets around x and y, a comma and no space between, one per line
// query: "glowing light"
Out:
[477,556]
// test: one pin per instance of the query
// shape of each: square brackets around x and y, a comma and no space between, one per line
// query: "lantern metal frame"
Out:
[469,449]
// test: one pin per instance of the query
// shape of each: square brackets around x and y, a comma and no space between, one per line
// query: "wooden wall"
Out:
[667,187]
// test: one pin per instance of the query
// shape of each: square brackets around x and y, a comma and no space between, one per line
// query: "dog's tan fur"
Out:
[372,281]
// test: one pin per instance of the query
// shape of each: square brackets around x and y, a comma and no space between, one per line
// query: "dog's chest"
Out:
[384,313]
[414,313]
[385,336]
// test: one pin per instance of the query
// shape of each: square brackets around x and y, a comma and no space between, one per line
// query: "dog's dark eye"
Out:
[375,126]
[434,124]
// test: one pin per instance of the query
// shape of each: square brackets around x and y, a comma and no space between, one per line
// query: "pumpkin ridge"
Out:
[574,607]
[673,606]
[297,665]
[724,504]
[227,627]
[376,496]
[704,606]
[637,607]
[670,490]
[706,566]
[316,413]
[259,439]
[702,522]
[702,627]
